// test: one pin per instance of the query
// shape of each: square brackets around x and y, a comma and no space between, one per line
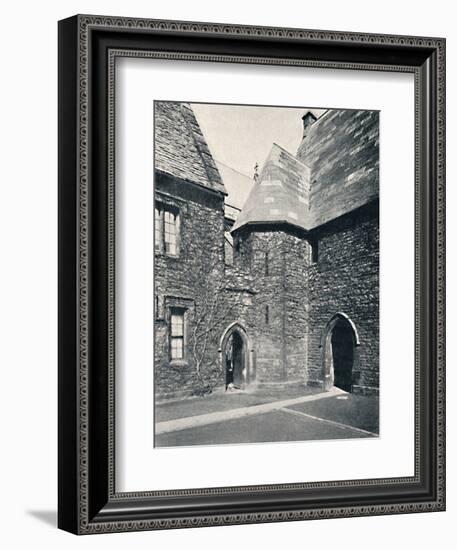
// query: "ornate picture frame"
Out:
[88,48]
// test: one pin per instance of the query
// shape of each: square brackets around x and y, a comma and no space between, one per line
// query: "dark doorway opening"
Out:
[238,359]
[342,341]
[234,362]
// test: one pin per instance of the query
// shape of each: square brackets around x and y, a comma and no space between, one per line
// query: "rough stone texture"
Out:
[269,287]
[268,272]
[274,290]
[296,306]
[187,281]
[277,266]
[346,280]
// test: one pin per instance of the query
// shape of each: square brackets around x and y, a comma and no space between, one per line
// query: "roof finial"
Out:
[256,171]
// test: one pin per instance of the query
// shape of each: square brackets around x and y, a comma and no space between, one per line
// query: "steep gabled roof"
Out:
[281,194]
[180,147]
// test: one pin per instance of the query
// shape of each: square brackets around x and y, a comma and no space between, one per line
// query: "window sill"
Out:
[180,363]
[164,255]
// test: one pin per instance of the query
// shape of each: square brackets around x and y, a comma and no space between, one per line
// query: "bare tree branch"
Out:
[210,314]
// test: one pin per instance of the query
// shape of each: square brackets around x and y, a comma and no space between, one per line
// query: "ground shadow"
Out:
[45,516]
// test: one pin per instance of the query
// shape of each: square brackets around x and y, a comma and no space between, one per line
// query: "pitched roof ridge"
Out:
[187,111]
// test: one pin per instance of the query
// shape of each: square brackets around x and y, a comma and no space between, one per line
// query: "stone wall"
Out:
[296,306]
[275,289]
[272,269]
[266,314]
[278,317]
[192,281]
[346,280]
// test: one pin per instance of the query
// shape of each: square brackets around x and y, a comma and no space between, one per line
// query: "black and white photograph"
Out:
[266,273]
[225,300]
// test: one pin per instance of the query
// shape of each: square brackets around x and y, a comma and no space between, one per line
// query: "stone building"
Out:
[281,289]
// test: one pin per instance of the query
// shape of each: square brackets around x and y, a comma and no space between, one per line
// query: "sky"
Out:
[242,135]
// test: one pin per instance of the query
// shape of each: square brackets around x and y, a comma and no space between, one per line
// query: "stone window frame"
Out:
[162,206]
[313,251]
[158,307]
[179,313]
[243,255]
[184,304]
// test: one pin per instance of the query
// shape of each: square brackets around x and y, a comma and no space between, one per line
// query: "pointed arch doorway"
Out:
[340,352]
[237,357]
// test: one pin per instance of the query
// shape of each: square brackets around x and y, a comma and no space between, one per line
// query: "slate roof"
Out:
[281,194]
[342,150]
[335,171]
[180,147]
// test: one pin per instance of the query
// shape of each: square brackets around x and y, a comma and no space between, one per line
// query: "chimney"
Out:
[308,120]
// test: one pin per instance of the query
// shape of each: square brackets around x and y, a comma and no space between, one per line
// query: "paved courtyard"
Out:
[299,414]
